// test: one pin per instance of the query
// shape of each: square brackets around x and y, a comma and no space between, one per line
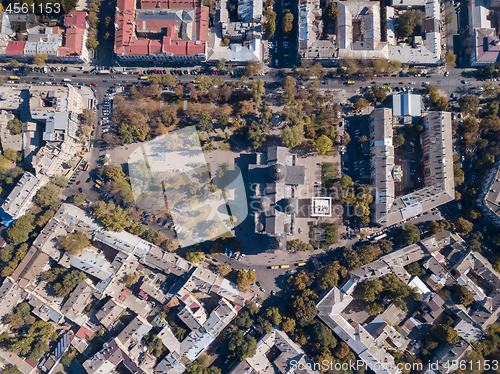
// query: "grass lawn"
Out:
[196,216]
[224,145]
[331,234]
[328,174]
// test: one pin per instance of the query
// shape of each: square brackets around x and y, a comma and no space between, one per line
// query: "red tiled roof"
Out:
[127,44]
[78,19]
[84,333]
[122,296]
[488,50]
[194,307]
[74,42]
[15,48]
[32,362]
[169,4]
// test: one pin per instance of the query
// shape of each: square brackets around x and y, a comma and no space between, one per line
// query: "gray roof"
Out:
[407,104]
[439,183]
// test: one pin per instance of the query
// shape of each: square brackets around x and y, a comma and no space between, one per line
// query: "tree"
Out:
[15,126]
[74,243]
[361,103]
[442,103]
[68,356]
[415,269]
[399,303]
[263,325]
[323,144]
[223,269]
[257,89]
[470,104]
[205,123]
[470,125]
[60,181]
[14,63]
[463,226]
[243,320]
[439,226]
[22,228]
[253,67]
[377,94]
[256,135]
[328,276]
[47,195]
[252,307]
[195,256]
[11,369]
[287,25]
[303,307]
[341,351]
[270,28]
[293,136]
[244,279]
[410,234]
[385,246]
[92,43]
[491,123]
[323,335]
[221,64]
[445,333]
[462,295]
[287,324]
[332,11]
[179,91]
[40,59]
[451,59]
[244,346]
[79,199]
[406,23]
[113,217]
[273,315]
[299,280]
[129,279]
[398,140]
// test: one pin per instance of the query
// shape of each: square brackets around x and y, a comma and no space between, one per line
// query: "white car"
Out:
[177,229]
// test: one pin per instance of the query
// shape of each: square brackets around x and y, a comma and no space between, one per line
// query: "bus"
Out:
[144,78]
[377,238]
[301,264]
[14,78]
[275,267]
[87,165]
[284,266]
[351,82]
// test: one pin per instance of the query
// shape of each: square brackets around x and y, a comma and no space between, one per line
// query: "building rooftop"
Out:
[439,184]
[184,28]
[407,104]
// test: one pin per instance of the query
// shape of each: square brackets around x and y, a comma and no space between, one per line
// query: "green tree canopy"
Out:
[408,21]
[74,243]
[323,144]
[293,136]
[244,346]
[445,333]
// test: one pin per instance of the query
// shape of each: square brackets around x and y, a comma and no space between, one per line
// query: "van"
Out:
[66,80]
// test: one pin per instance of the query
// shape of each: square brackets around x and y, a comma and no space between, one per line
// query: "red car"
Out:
[87,84]
[93,84]
[136,73]
[77,183]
